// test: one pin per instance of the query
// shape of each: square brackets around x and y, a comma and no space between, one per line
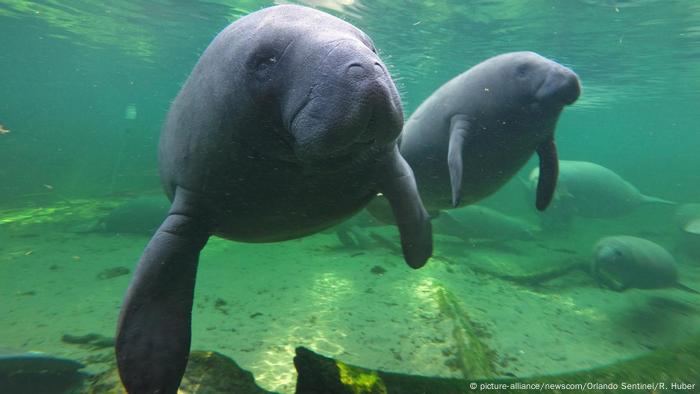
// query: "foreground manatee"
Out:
[622,262]
[477,222]
[287,125]
[591,190]
[476,131]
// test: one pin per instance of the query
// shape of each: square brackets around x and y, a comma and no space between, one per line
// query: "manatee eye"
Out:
[262,63]
[522,70]
[265,63]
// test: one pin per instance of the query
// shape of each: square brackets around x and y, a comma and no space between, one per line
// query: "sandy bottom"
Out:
[257,302]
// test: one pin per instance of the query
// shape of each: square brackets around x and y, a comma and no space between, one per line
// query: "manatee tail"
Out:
[686,288]
[656,200]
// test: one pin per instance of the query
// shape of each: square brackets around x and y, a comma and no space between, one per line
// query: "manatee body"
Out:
[477,222]
[476,131]
[622,262]
[590,190]
[141,215]
[287,125]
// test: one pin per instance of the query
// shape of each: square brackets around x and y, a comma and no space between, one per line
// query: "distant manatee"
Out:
[477,222]
[476,131]
[591,190]
[622,262]
[141,215]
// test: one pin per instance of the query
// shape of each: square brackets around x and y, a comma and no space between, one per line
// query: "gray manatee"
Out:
[476,131]
[140,215]
[477,222]
[591,190]
[287,125]
[622,262]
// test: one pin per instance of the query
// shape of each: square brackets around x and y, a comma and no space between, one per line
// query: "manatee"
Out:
[622,262]
[590,190]
[478,222]
[140,215]
[476,131]
[36,372]
[287,125]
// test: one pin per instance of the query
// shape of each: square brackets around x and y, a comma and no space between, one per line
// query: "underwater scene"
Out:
[373,196]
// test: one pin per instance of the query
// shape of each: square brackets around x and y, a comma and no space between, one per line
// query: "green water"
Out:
[84,88]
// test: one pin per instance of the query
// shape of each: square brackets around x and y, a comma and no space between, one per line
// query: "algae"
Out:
[472,357]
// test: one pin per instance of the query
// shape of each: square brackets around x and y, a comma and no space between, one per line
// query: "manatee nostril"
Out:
[356,70]
[378,68]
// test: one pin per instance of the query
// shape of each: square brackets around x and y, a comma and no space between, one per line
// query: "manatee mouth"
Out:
[331,139]
[295,115]
[368,135]
[561,86]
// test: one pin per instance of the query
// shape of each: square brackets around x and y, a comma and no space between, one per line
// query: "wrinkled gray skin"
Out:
[591,190]
[476,222]
[476,131]
[286,126]
[623,262]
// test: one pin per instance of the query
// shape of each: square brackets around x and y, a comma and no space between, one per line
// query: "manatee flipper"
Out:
[606,281]
[399,187]
[692,227]
[549,171]
[459,131]
[153,335]
[343,234]
[686,288]
[655,200]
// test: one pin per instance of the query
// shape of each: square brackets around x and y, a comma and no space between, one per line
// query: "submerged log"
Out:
[675,369]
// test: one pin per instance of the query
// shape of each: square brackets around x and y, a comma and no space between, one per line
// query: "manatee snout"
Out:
[561,86]
[353,104]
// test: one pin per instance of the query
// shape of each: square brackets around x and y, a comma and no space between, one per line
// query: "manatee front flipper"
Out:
[153,335]
[399,186]
[686,288]
[656,200]
[549,171]
[459,131]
